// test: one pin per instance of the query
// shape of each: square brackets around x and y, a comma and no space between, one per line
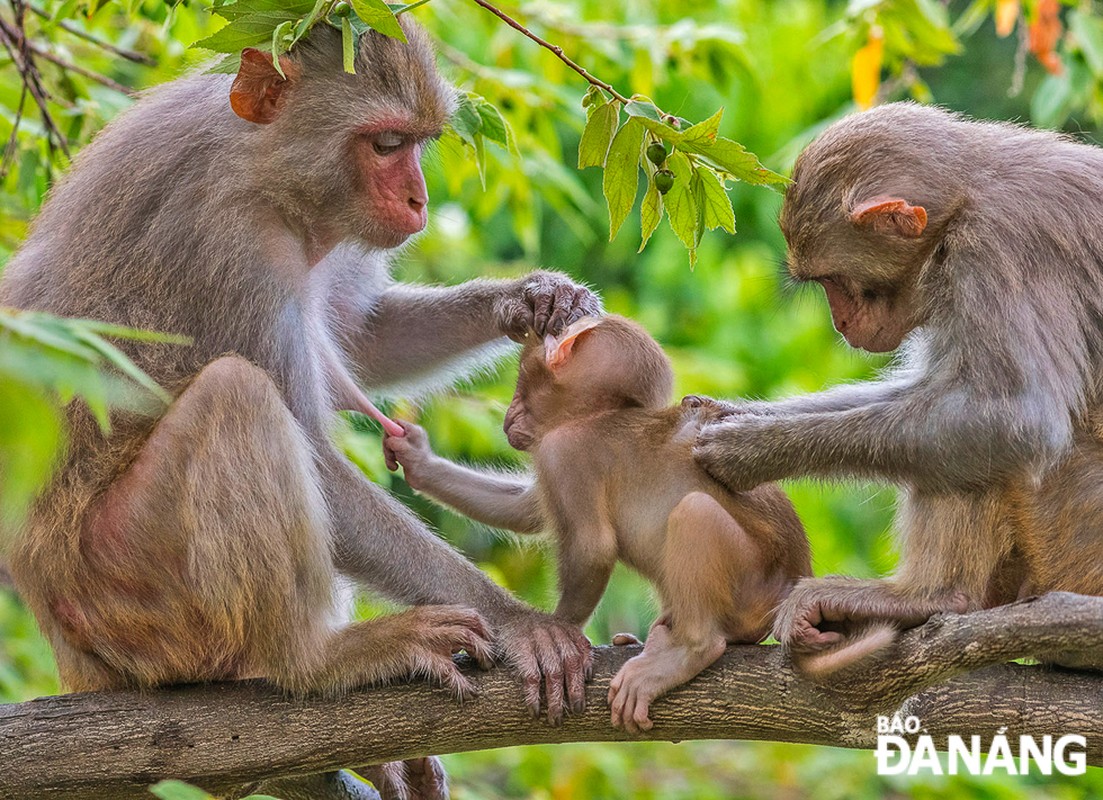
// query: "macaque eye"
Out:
[388,142]
[870,294]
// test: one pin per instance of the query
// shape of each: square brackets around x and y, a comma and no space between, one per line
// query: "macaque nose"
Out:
[417,203]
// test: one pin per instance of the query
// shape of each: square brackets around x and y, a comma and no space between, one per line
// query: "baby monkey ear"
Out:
[258,88]
[890,215]
[557,349]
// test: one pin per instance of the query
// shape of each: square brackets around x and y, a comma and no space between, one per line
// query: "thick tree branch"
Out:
[111,744]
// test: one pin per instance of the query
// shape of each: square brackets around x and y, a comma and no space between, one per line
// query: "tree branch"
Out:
[112,744]
[554,48]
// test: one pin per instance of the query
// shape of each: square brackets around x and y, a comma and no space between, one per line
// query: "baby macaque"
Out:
[615,479]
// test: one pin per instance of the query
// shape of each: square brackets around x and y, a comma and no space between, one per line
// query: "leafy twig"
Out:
[14,39]
[69,66]
[121,52]
[554,48]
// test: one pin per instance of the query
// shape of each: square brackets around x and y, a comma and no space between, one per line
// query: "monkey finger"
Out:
[625,639]
[541,312]
[562,306]
[443,669]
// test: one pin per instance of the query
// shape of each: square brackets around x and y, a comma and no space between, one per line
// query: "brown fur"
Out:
[615,479]
[976,246]
[205,544]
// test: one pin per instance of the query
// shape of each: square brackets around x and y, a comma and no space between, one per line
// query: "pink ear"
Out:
[557,349]
[890,215]
[258,87]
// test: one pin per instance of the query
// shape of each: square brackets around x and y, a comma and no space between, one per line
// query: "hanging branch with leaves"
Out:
[687,166]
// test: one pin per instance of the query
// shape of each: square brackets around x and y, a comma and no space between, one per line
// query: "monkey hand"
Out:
[416,779]
[545,302]
[411,450]
[742,451]
[430,636]
[549,654]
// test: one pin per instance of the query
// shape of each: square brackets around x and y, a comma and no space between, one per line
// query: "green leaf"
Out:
[279,45]
[287,9]
[651,211]
[30,434]
[644,109]
[348,45]
[598,134]
[494,125]
[681,201]
[178,790]
[378,16]
[733,158]
[467,121]
[252,30]
[621,181]
[716,206]
[705,132]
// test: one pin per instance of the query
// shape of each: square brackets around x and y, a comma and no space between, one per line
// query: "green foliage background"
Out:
[781,71]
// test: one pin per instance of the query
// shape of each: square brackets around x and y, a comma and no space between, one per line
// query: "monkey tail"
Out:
[863,645]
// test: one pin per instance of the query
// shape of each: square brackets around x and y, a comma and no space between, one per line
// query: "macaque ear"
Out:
[557,349]
[258,87]
[890,215]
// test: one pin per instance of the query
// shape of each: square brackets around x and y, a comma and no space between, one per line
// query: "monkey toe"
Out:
[625,639]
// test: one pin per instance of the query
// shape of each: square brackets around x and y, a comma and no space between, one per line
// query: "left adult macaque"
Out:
[615,479]
[256,214]
[979,246]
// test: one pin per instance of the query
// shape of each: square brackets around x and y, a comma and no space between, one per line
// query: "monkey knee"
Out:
[231,376]
[697,513]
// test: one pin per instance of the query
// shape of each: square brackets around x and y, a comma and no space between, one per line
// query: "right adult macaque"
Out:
[615,478]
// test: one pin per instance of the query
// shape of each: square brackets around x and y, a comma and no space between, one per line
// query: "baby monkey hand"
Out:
[411,451]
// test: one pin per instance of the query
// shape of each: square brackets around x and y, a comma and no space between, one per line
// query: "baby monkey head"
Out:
[595,365]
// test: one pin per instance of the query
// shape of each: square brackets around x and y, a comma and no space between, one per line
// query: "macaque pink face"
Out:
[392,186]
[867,319]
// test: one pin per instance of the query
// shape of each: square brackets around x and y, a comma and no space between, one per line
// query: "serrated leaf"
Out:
[593,95]
[287,9]
[598,134]
[644,109]
[348,46]
[378,16]
[716,206]
[733,158]
[251,30]
[279,45]
[651,211]
[704,132]
[621,180]
[681,201]
[494,125]
[466,122]
[308,21]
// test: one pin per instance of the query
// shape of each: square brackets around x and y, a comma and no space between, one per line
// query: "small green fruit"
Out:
[656,153]
[664,179]
[342,9]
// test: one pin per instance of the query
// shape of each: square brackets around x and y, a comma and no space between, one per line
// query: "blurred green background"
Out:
[782,70]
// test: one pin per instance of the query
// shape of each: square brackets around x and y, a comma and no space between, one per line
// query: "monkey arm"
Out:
[412,331]
[838,398]
[502,500]
[380,542]
[935,438]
